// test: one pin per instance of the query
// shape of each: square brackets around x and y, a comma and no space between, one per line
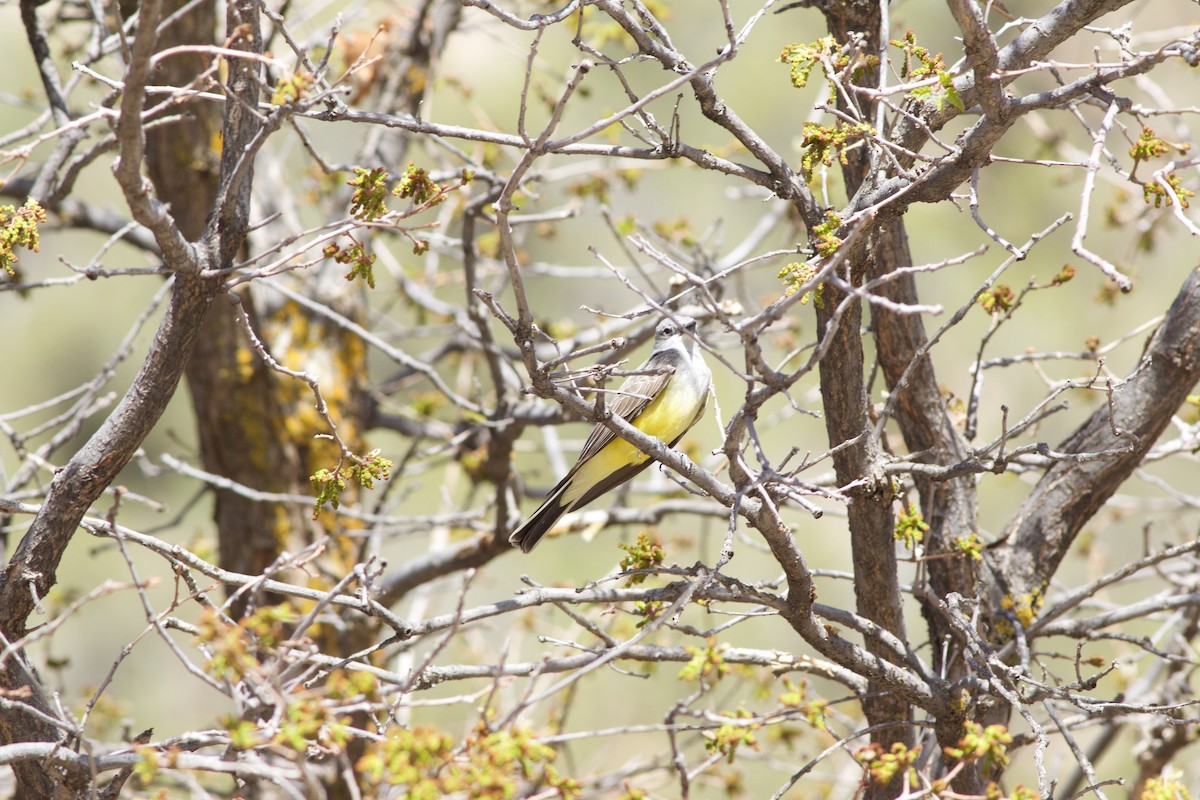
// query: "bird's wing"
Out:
[631,399]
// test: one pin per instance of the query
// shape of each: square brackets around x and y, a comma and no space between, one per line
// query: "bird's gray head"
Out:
[677,333]
[674,327]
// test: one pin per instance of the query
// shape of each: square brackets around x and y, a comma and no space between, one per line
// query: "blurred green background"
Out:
[59,337]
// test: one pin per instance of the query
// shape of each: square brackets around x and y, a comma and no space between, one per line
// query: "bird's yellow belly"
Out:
[666,418]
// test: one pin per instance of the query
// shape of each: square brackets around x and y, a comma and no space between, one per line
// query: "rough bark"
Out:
[948,507]
[31,571]
[876,581]
[847,408]
[1071,492]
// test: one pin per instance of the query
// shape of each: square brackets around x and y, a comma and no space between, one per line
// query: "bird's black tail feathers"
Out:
[542,520]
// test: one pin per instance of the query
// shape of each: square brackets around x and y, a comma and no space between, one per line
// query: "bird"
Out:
[664,398]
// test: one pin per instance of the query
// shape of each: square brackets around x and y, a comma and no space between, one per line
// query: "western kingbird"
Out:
[664,400]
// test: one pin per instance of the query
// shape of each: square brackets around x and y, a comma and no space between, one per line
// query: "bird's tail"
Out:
[542,520]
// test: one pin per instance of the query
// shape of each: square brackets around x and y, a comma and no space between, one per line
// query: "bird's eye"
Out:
[669,330]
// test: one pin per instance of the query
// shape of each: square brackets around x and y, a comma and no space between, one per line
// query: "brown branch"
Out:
[1034,43]
[1070,493]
